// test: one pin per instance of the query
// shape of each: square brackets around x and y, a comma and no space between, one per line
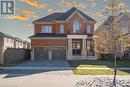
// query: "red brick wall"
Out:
[68,26]
[49,42]
[38,27]
[71,20]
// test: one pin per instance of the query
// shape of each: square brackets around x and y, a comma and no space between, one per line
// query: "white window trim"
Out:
[89,29]
[46,29]
[62,27]
[75,30]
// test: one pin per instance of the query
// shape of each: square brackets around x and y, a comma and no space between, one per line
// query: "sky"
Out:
[27,11]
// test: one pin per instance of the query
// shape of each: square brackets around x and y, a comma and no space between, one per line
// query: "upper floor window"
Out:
[46,29]
[11,40]
[88,29]
[61,28]
[7,39]
[21,43]
[76,26]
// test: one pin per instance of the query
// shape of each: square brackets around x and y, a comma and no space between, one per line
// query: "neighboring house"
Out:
[125,29]
[127,38]
[104,33]
[26,45]
[65,35]
[19,43]
[8,41]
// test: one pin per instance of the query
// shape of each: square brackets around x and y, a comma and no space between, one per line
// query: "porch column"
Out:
[32,54]
[69,47]
[84,51]
[50,55]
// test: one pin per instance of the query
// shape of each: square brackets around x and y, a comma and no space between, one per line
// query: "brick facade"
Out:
[54,44]
[68,25]
[49,42]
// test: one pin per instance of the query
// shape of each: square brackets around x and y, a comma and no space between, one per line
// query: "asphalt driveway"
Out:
[44,63]
[35,67]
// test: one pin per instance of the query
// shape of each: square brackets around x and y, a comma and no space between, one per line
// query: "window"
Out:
[46,29]
[88,30]
[11,40]
[21,43]
[61,28]
[76,26]
[7,39]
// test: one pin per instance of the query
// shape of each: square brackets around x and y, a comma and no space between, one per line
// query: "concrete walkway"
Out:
[125,68]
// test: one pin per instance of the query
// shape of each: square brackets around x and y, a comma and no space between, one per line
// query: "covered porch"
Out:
[80,47]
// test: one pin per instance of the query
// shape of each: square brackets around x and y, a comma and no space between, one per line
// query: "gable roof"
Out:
[7,35]
[12,37]
[50,17]
[63,16]
[121,16]
[109,20]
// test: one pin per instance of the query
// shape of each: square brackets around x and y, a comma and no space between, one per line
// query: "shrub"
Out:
[107,56]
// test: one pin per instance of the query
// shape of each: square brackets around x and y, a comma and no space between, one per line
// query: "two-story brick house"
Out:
[105,43]
[65,35]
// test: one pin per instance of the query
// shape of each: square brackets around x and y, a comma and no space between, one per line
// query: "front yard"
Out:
[99,64]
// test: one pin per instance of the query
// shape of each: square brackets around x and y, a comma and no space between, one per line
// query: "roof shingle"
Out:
[63,16]
[48,35]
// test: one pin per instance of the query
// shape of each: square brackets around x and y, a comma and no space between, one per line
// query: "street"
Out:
[59,78]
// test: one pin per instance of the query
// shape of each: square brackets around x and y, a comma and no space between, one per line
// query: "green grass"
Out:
[99,64]
[99,72]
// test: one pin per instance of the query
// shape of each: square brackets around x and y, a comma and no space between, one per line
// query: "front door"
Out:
[77,47]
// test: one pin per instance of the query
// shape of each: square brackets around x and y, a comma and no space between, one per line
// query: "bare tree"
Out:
[113,11]
[114,38]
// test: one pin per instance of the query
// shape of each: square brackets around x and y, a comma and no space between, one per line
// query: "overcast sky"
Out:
[27,11]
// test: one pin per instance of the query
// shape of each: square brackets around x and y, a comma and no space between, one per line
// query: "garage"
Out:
[41,53]
[58,53]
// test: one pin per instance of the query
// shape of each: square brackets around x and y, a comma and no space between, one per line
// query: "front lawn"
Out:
[99,64]
[99,72]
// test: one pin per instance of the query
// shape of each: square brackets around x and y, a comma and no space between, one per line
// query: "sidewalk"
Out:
[58,68]
[37,68]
